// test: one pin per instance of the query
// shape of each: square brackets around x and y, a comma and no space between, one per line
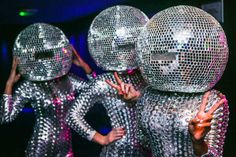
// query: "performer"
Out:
[112,37]
[44,56]
[183,53]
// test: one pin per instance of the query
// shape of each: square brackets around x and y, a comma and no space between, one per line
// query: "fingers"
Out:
[132,94]
[15,62]
[74,50]
[75,53]
[129,97]
[118,132]
[122,85]
[118,129]
[222,96]
[17,77]
[118,80]
[125,88]
[76,62]
[217,105]
[200,124]
[136,92]
[72,47]
[117,138]
[207,119]
[195,121]
[204,101]
[113,85]
[76,58]
[204,124]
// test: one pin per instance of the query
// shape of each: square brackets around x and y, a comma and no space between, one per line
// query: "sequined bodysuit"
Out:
[50,101]
[121,114]
[164,117]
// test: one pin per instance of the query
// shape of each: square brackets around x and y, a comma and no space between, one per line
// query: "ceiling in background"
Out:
[29,11]
[55,11]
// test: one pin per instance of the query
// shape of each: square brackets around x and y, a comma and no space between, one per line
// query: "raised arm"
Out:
[83,103]
[13,78]
[78,61]
[209,127]
[12,102]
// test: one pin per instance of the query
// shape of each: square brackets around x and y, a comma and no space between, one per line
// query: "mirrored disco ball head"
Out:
[112,37]
[44,52]
[182,49]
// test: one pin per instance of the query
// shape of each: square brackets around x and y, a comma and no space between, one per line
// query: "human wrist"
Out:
[105,141]
[197,141]
[8,88]
[200,147]
[102,140]
[9,83]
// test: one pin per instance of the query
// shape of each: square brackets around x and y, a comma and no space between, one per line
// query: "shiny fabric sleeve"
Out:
[142,135]
[91,76]
[83,103]
[11,105]
[78,83]
[215,138]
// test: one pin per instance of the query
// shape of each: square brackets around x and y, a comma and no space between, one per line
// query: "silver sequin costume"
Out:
[121,114]
[164,118]
[182,54]
[111,40]
[50,101]
[45,59]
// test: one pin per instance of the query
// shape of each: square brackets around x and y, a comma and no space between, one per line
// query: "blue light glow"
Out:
[27,110]
[4,51]
[72,40]
[104,130]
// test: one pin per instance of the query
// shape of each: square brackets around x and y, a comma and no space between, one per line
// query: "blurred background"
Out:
[74,18]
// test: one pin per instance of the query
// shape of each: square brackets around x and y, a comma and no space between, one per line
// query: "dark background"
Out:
[74,18]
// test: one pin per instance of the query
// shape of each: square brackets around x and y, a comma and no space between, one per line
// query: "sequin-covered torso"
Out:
[121,114]
[164,116]
[50,101]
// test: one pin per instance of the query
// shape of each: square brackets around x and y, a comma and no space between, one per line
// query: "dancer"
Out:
[44,56]
[111,39]
[183,53]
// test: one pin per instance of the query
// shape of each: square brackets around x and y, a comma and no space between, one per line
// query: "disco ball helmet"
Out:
[44,52]
[112,37]
[182,49]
